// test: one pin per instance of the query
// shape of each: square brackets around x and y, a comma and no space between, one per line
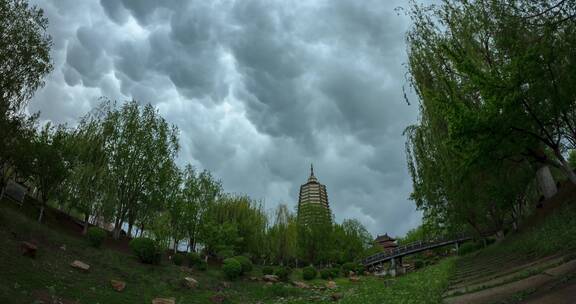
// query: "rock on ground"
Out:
[118,285]
[190,282]
[28,249]
[271,278]
[80,266]
[331,285]
[164,301]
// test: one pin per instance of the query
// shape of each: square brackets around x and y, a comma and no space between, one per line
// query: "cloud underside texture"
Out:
[258,89]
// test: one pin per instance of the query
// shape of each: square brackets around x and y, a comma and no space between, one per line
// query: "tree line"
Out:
[495,85]
[118,166]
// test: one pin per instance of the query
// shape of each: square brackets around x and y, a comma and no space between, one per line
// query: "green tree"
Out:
[24,61]
[49,166]
[140,147]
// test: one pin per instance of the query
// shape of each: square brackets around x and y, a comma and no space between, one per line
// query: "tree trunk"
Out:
[2,189]
[86,224]
[117,229]
[41,216]
[175,246]
[130,225]
[546,182]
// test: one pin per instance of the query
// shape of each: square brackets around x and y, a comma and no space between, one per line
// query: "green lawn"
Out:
[22,279]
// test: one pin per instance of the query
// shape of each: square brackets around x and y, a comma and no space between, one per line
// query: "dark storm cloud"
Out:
[259,89]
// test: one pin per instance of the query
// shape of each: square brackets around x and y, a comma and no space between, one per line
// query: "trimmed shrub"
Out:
[334,272]
[359,269]
[245,262]
[232,268]
[202,265]
[193,259]
[326,274]
[283,272]
[146,250]
[178,259]
[267,270]
[418,264]
[347,267]
[96,236]
[308,273]
[225,254]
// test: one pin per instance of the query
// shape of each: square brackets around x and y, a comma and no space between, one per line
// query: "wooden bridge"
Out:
[411,248]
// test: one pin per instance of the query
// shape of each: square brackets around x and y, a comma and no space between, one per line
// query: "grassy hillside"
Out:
[50,277]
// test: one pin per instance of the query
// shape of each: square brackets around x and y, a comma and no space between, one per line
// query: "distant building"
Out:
[313,201]
[386,242]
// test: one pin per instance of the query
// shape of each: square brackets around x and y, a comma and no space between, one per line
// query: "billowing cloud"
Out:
[259,89]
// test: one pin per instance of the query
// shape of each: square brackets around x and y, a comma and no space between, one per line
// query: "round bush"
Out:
[193,259]
[283,273]
[308,273]
[245,262]
[325,274]
[232,268]
[178,259]
[146,250]
[267,270]
[334,272]
[202,265]
[359,269]
[347,267]
[96,236]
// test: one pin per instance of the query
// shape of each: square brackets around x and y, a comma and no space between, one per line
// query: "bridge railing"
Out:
[410,247]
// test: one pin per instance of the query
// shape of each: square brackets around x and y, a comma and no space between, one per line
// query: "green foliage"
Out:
[309,273]
[267,270]
[418,264]
[348,267]
[245,262]
[202,265]
[178,259]
[232,268]
[326,274]
[469,247]
[146,250]
[481,70]
[283,272]
[24,54]
[96,236]
[193,259]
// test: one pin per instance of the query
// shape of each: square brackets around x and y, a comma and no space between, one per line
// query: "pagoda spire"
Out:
[311,169]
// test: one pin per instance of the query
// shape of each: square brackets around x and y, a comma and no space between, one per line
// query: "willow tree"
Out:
[140,148]
[494,82]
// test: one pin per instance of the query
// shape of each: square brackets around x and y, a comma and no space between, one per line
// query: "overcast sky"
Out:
[258,89]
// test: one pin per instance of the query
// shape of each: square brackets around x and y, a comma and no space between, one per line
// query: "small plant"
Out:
[193,259]
[232,268]
[178,259]
[283,273]
[326,274]
[309,273]
[96,236]
[418,264]
[146,250]
[267,270]
[202,265]
[245,262]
